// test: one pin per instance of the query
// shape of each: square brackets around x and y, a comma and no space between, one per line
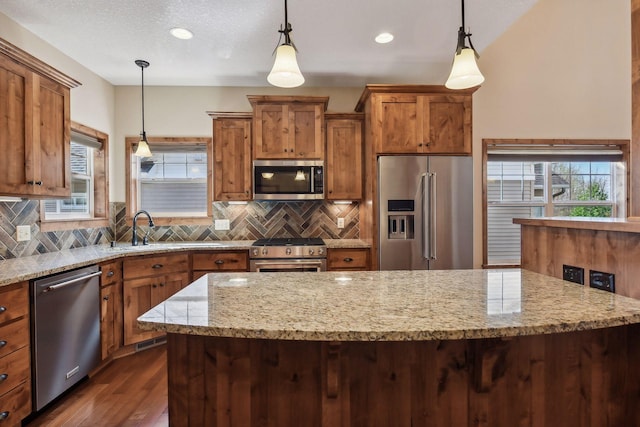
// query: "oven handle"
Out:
[289,265]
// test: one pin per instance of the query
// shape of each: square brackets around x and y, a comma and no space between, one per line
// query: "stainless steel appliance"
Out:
[288,180]
[426,212]
[288,254]
[65,331]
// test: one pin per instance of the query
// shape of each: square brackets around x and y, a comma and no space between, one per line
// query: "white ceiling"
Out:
[234,39]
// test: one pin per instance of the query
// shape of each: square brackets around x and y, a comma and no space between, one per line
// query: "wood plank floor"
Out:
[131,391]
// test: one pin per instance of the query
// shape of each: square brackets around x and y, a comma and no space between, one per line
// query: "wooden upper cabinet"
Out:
[232,156]
[411,119]
[344,157]
[34,126]
[288,127]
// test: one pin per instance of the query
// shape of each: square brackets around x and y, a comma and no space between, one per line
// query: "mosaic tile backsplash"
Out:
[247,222]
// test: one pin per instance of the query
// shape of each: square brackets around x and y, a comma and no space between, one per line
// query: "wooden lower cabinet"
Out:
[110,308]
[15,354]
[219,261]
[147,282]
[348,259]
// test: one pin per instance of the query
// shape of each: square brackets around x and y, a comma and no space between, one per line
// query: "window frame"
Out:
[622,144]
[132,188]
[100,207]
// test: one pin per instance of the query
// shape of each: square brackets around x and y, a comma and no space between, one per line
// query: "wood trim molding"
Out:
[427,89]
[36,65]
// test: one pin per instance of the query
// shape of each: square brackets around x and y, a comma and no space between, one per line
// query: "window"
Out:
[523,181]
[88,204]
[174,183]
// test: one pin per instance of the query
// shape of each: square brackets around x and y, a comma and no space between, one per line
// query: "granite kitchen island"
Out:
[402,348]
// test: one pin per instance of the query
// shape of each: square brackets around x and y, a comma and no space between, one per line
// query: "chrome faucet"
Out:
[134,239]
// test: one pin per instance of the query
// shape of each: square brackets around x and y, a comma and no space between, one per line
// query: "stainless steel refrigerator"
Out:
[426,212]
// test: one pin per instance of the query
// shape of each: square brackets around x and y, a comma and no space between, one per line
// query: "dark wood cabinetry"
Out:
[15,354]
[34,126]
[149,280]
[348,259]
[111,316]
[219,261]
[232,156]
[288,127]
[344,156]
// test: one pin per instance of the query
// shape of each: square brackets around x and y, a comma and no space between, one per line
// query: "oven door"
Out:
[286,265]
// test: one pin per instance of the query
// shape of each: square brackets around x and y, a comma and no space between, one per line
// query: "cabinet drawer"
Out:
[155,265]
[221,261]
[348,259]
[14,369]
[111,273]
[15,405]
[14,335]
[14,302]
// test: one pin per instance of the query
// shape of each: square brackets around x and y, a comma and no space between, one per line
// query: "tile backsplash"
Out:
[249,221]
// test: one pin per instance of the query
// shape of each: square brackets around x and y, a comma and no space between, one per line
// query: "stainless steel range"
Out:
[288,254]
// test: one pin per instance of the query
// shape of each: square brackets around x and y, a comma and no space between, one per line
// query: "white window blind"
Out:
[173,182]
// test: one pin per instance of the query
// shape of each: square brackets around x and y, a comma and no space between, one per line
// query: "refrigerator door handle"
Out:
[426,228]
[432,215]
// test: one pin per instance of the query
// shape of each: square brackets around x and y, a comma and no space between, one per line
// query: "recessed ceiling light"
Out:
[181,33]
[384,38]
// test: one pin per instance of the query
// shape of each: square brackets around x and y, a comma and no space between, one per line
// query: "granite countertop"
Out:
[626,225]
[32,267]
[387,306]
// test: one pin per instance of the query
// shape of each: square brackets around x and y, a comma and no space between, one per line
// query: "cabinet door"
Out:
[347,259]
[398,124]
[446,124]
[271,128]
[344,160]
[170,284]
[110,318]
[139,296]
[232,159]
[306,131]
[51,155]
[16,132]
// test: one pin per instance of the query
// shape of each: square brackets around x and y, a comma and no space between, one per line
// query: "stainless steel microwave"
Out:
[288,180]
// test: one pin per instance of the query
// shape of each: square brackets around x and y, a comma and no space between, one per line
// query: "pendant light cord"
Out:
[463,27]
[142,69]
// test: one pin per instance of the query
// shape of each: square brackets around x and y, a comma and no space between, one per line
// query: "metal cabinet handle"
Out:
[219,261]
[162,285]
[106,298]
[4,415]
[110,273]
[348,259]
[34,182]
[4,377]
[3,309]
[156,266]
[3,343]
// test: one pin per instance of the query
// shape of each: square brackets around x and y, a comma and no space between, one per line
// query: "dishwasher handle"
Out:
[70,282]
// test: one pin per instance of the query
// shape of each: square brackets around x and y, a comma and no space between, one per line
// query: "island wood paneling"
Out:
[546,249]
[585,378]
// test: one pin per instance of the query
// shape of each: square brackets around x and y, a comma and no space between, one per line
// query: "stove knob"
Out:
[255,251]
[265,251]
[288,251]
[310,251]
[320,251]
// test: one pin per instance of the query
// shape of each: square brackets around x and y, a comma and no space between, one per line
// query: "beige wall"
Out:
[561,71]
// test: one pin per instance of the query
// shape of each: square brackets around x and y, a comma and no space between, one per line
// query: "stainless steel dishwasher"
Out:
[65,324]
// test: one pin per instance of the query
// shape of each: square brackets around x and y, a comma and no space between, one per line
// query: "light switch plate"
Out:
[23,233]
[221,224]
[340,222]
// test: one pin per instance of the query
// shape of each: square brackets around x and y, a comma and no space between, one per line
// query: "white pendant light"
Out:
[464,71]
[143,149]
[285,72]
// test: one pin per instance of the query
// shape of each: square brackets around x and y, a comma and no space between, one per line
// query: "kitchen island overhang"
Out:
[399,348]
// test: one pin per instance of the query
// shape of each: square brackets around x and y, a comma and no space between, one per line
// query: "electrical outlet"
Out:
[221,224]
[573,274]
[23,233]
[340,222]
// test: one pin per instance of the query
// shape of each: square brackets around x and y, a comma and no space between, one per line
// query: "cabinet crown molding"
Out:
[280,99]
[426,89]
[34,64]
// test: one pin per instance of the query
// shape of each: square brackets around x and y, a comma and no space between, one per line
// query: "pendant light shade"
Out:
[285,72]
[143,149]
[464,71]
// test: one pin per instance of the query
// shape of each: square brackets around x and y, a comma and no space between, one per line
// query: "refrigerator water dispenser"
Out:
[401,226]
